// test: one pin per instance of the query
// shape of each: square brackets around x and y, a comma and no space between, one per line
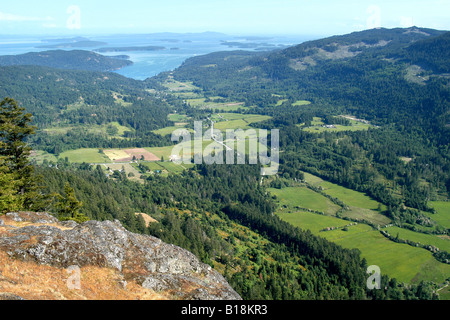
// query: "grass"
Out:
[348,196]
[360,205]
[40,156]
[401,261]
[427,239]
[236,120]
[166,131]
[177,117]
[301,103]
[303,197]
[85,155]
[317,126]
[442,215]
[202,103]
[311,221]
[98,129]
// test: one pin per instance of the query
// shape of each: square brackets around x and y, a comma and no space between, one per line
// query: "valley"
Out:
[363,176]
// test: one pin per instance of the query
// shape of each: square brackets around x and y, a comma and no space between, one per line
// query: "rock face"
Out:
[147,260]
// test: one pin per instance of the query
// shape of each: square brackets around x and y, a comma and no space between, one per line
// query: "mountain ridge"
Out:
[69,60]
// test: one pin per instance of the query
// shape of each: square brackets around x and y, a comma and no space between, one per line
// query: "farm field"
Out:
[317,126]
[443,243]
[97,129]
[442,215]
[85,155]
[167,130]
[203,103]
[126,155]
[39,156]
[236,120]
[361,206]
[401,261]
[292,197]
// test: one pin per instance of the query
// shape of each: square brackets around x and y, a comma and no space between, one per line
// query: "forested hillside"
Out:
[72,60]
[364,74]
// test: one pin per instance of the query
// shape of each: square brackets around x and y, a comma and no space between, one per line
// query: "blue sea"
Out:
[177,47]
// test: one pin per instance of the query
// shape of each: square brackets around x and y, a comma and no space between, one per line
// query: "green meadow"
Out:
[401,261]
[317,126]
[85,155]
[292,197]
[442,215]
[443,243]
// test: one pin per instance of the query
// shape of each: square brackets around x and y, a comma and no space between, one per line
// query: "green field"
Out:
[85,155]
[236,120]
[401,261]
[177,117]
[301,103]
[203,103]
[303,197]
[311,221]
[442,215]
[40,156]
[361,206]
[443,243]
[167,130]
[317,126]
[97,129]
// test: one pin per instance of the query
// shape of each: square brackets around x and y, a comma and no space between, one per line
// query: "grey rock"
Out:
[10,296]
[1,223]
[154,264]
[14,216]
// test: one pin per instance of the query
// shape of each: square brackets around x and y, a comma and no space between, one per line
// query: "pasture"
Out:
[302,197]
[401,261]
[85,155]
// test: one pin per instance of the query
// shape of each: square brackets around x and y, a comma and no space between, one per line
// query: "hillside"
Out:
[380,76]
[113,263]
[72,60]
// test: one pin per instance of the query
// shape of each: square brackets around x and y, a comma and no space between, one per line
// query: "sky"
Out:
[299,17]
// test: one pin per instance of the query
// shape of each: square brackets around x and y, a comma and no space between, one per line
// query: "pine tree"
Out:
[8,199]
[14,129]
[68,206]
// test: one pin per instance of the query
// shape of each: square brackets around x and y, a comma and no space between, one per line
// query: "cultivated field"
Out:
[302,197]
[126,155]
[85,155]
[402,261]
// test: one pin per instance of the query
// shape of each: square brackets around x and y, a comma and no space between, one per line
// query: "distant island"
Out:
[76,44]
[137,48]
[61,40]
[62,59]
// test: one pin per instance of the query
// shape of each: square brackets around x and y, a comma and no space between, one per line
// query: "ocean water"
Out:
[177,47]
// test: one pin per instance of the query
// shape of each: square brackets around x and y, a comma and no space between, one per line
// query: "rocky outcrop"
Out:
[40,238]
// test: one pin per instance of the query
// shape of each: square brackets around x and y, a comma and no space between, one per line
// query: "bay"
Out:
[177,47]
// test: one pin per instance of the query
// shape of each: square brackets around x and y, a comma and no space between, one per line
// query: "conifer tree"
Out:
[8,199]
[15,127]
[68,206]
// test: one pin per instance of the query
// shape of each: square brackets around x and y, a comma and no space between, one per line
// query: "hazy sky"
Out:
[321,17]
